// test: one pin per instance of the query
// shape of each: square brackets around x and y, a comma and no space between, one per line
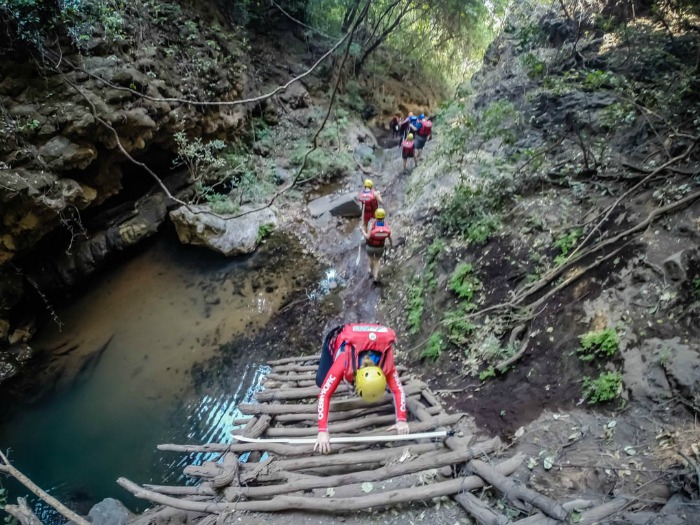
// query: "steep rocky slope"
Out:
[551,261]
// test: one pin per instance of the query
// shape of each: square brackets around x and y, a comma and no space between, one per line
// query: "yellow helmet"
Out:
[380,213]
[410,136]
[368,183]
[370,383]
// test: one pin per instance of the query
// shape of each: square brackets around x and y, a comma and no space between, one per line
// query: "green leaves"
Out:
[603,343]
[434,347]
[464,283]
[607,387]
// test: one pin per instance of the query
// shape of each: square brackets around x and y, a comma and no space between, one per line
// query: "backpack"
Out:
[330,338]
[426,128]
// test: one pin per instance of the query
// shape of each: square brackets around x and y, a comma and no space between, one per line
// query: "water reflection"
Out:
[212,421]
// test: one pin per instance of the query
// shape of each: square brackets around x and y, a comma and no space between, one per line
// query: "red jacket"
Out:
[379,232]
[369,199]
[358,338]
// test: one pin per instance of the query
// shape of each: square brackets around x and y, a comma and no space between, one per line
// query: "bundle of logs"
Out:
[280,476]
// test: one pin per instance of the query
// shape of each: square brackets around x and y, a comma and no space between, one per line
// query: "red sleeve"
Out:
[394,382]
[330,383]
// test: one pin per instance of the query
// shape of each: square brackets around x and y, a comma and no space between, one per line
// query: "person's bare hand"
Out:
[323,443]
[401,428]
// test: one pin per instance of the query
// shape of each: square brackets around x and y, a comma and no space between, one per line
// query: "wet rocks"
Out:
[110,511]
[229,235]
[343,205]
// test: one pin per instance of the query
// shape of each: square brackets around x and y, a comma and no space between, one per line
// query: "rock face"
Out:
[228,235]
[69,197]
[343,205]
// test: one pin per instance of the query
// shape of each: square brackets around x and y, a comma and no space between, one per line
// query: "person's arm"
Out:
[328,387]
[394,383]
[378,196]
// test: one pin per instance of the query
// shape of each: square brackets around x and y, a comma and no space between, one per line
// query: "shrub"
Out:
[607,387]
[415,304]
[264,230]
[487,374]
[434,251]
[565,243]
[602,343]
[464,283]
[471,212]
[459,328]
[434,347]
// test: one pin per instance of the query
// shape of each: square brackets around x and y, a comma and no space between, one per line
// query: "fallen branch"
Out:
[380,474]
[280,503]
[7,468]
[511,490]
[23,513]
[482,513]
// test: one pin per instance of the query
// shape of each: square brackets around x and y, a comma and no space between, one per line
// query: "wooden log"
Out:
[229,472]
[291,377]
[310,408]
[513,490]
[380,474]
[431,398]
[456,443]
[416,408]
[275,448]
[347,426]
[23,513]
[541,519]
[242,421]
[7,468]
[207,470]
[480,510]
[441,420]
[280,503]
[292,367]
[246,428]
[203,489]
[250,471]
[592,516]
[597,514]
[350,427]
[295,359]
[313,391]
[304,376]
[333,416]
[260,426]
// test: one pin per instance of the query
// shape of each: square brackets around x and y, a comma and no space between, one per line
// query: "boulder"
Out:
[364,154]
[226,234]
[61,154]
[110,511]
[339,205]
[677,265]
[295,96]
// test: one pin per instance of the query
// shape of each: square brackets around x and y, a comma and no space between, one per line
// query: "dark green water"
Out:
[165,316]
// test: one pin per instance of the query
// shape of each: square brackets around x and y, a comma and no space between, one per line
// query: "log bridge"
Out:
[355,476]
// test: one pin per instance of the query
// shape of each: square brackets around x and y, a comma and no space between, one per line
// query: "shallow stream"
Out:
[138,362]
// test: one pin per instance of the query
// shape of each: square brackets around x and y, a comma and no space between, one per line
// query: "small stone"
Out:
[212,299]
